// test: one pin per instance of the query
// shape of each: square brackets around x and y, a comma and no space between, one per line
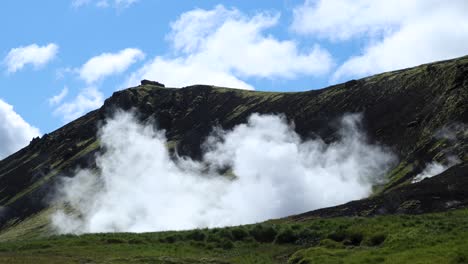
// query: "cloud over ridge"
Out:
[226,46]
[106,64]
[398,34]
[15,132]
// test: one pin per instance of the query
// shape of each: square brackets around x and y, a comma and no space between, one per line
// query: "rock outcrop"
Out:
[154,83]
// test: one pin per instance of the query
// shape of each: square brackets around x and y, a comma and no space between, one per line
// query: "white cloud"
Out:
[138,187]
[344,19]
[56,99]
[88,99]
[224,46]
[94,70]
[399,34]
[79,3]
[107,64]
[15,133]
[119,4]
[33,54]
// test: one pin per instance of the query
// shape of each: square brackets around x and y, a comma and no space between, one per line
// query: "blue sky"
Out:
[61,59]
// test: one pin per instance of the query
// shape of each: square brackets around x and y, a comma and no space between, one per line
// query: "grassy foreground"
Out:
[431,238]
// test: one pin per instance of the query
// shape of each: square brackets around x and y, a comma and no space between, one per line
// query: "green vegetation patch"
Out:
[430,238]
[398,173]
[58,167]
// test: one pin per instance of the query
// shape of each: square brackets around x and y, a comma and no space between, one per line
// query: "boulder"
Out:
[148,82]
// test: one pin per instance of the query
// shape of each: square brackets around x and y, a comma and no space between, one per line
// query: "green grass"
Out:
[399,172]
[430,238]
[34,226]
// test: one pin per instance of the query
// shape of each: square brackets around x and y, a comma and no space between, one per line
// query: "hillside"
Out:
[419,113]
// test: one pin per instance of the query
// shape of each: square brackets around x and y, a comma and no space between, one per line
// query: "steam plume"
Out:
[454,134]
[138,187]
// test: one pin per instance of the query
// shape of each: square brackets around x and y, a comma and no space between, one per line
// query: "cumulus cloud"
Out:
[15,133]
[343,19]
[399,33]
[137,186]
[106,64]
[88,99]
[56,99]
[33,54]
[95,69]
[119,4]
[224,46]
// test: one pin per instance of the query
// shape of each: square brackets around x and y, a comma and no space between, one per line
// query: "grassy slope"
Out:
[430,238]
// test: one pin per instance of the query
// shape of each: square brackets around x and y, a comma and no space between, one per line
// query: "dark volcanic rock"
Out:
[448,190]
[148,82]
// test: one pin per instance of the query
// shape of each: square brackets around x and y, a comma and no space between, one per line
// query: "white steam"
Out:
[138,186]
[453,133]
[429,171]
[435,168]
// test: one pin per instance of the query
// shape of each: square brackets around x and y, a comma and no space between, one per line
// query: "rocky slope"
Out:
[418,112]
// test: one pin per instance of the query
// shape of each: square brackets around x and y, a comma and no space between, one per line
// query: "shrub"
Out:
[328,243]
[377,239]
[239,233]
[199,244]
[136,241]
[171,239]
[114,241]
[286,235]
[307,236]
[353,239]
[213,238]
[337,236]
[196,235]
[263,233]
[34,246]
[225,234]
[460,258]
[209,246]
[296,227]
[226,244]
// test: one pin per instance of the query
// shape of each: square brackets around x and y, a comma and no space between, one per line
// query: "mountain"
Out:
[419,113]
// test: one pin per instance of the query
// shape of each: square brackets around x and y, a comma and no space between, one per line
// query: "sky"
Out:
[62,59]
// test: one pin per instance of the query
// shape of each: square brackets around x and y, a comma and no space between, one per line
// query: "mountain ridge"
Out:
[403,110]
